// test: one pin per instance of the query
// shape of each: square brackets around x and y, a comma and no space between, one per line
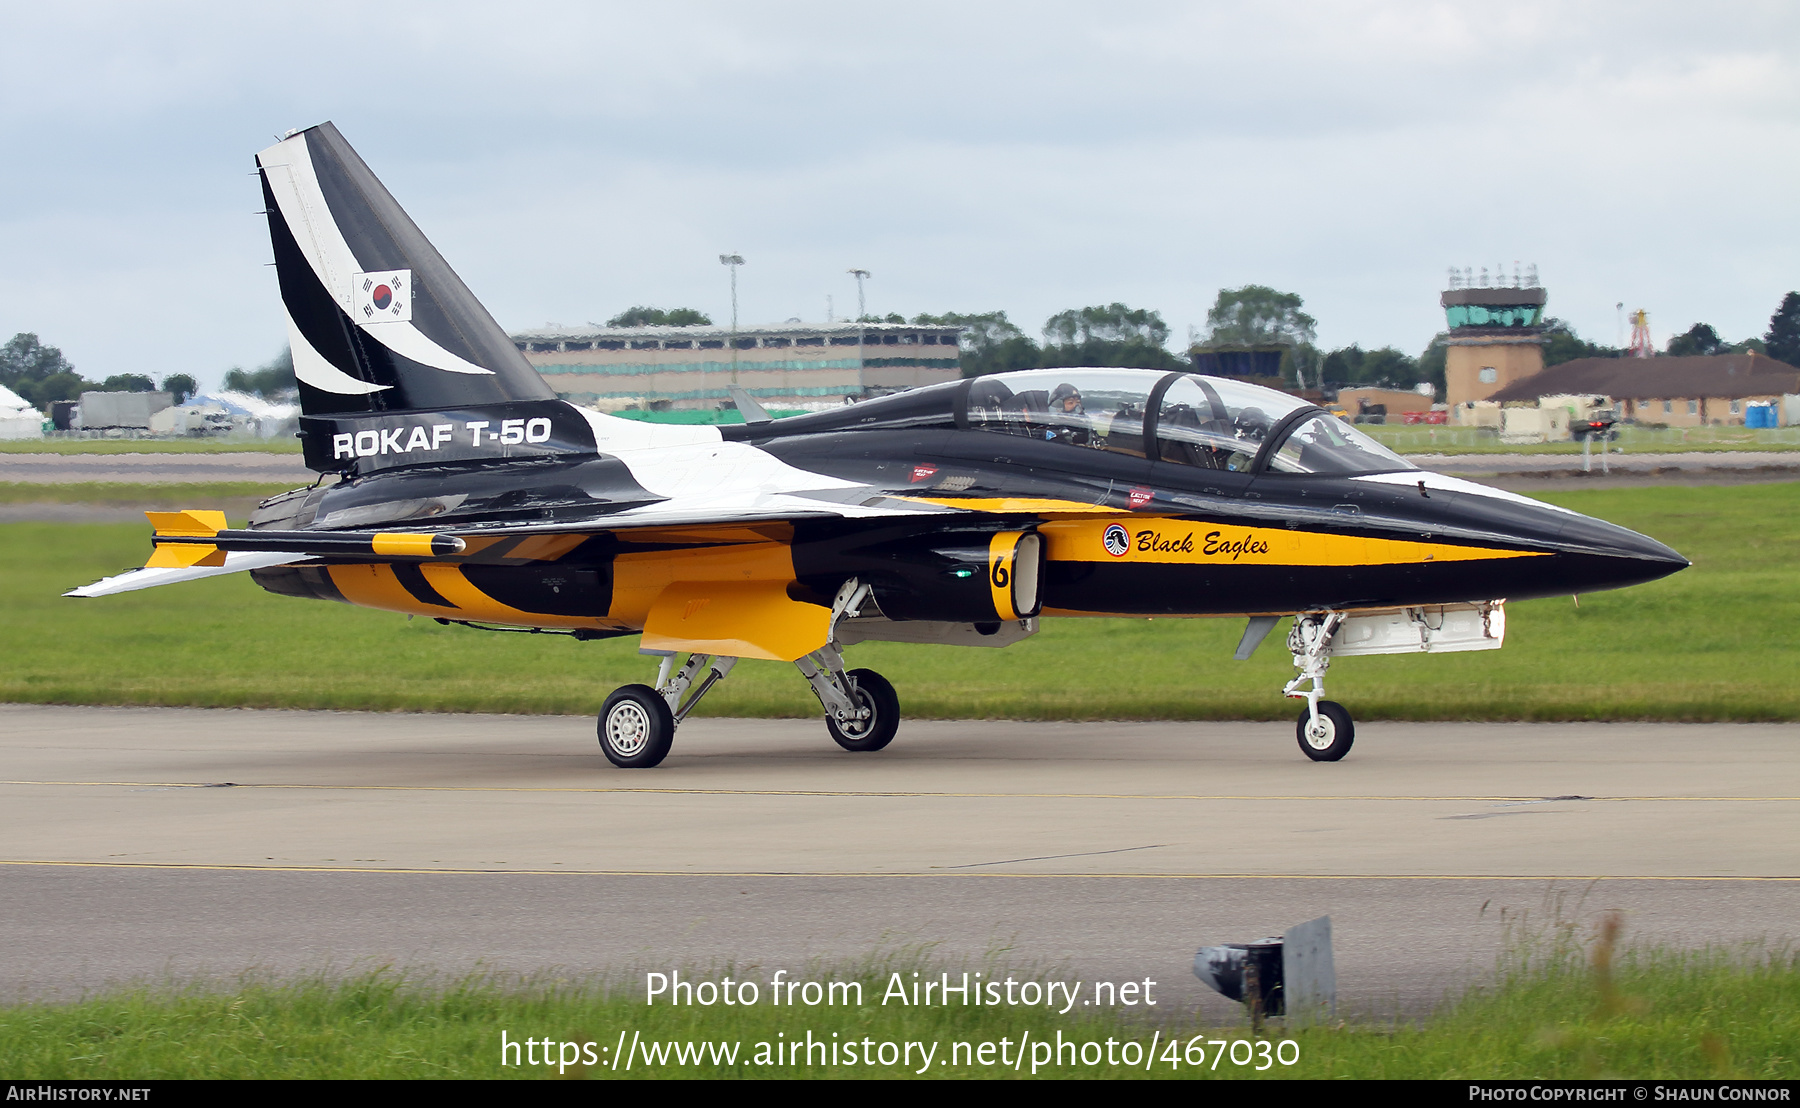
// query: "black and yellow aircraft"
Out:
[961,513]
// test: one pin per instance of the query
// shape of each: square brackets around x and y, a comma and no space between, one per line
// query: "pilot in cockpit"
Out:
[1068,416]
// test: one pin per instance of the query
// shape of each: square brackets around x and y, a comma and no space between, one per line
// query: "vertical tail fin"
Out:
[378,321]
[398,363]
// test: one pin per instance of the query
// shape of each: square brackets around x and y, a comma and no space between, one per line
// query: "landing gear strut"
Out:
[862,712]
[637,725]
[1325,730]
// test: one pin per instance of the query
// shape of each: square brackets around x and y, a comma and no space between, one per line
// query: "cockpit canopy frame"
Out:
[1178,417]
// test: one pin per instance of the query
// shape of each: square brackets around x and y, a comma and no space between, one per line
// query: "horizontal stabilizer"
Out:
[152,576]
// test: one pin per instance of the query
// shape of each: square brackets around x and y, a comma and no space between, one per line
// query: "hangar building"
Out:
[1696,391]
[792,366]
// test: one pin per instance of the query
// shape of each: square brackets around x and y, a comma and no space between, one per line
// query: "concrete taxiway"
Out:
[166,843]
[174,468]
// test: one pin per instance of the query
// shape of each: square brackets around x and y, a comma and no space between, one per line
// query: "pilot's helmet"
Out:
[1251,424]
[1066,398]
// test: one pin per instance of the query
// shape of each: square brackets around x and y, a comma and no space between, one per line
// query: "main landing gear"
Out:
[862,712]
[1325,730]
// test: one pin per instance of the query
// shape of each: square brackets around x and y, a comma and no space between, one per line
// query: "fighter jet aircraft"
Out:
[455,485]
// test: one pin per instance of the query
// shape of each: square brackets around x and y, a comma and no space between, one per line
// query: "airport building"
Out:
[1748,389]
[1496,335]
[785,366]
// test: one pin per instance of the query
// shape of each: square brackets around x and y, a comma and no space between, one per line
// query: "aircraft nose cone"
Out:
[1599,537]
[1607,556]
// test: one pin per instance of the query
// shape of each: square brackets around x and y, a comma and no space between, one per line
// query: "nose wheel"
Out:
[1327,735]
[1325,730]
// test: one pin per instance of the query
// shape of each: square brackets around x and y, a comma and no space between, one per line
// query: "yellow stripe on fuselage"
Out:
[1152,539]
[373,585]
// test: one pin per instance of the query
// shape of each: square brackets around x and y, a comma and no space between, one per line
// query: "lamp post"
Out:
[731,262]
[862,312]
[862,309]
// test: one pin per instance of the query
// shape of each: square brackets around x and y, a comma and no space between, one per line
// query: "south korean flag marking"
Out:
[382,297]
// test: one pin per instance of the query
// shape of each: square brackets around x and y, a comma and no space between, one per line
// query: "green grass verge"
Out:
[197,494]
[1423,439]
[1714,642]
[150,446]
[1647,1014]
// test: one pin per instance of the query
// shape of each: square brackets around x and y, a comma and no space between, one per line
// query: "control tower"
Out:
[1496,333]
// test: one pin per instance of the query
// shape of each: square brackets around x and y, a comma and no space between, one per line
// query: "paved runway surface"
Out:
[52,469]
[153,843]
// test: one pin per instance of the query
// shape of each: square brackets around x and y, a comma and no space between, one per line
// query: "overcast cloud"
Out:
[573,160]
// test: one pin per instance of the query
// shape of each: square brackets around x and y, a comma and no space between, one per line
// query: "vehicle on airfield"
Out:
[961,513]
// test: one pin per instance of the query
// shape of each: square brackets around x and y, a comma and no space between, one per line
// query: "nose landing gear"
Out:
[1325,729]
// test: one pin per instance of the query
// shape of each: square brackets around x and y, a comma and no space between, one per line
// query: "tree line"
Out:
[1099,335]
[42,375]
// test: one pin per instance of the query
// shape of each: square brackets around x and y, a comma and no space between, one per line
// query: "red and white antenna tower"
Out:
[1641,346]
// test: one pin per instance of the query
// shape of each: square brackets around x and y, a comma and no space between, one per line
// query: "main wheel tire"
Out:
[1332,739]
[636,727]
[868,690]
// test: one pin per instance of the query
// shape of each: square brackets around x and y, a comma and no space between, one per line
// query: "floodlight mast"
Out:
[862,308]
[731,262]
[862,311]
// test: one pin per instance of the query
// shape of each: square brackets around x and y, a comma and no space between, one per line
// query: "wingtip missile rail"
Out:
[200,538]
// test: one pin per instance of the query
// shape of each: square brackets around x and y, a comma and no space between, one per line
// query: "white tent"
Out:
[243,412]
[18,418]
[11,401]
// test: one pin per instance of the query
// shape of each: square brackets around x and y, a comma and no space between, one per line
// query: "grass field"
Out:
[1563,1012]
[171,494]
[1714,642]
[1424,439]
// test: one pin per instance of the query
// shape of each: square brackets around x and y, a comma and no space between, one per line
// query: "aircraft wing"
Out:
[192,545]
[725,512]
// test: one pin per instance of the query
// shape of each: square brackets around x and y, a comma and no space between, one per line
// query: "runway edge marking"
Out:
[888,794]
[471,872]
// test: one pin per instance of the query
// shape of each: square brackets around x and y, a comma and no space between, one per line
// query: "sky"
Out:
[572,160]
